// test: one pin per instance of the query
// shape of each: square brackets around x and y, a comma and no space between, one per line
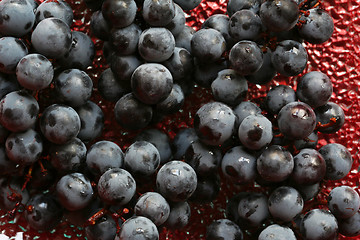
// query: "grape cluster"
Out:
[58,168]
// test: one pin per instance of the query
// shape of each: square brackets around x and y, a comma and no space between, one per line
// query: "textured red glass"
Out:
[339,58]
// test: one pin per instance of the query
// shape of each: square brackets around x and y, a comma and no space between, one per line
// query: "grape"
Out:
[153,206]
[12,50]
[253,208]
[8,84]
[296,120]
[173,102]
[229,87]
[177,24]
[318,26]
[180,64]
[255,132]
[74,87]
[58,9]
[207,189]
[188,4]
[239,165]
[131,113]
[104,229]
[220,22]
[278,97]
[99,26]
[119,13]
[18,111]
[160,140]
[151,83]
[309,168]
[276,231]
[81,53]
[17,17]
[223,229]
[206,73]
[43,212]
[183,39]
[338,160]
[34,72]
[282,198]
[245,109]
[309,142]
[124,66]
[52,38]
[138,228]
[176,181]
[59,123]
[182,141]
[110,88]
[326,114]
[158,12]
[68,157]
[92,121]
[246,57]
[208,45]
[319,224]
[350,227]
[214,123]
[104,155]
[314,88]
[12,187]
[245,25]
[8,167]
[236,5]
[125,40]
[179,215]
[275,164]
[25,147]
[343,202]
[281,15]
[309,192]
[116,186]
[289,57]
[141,159]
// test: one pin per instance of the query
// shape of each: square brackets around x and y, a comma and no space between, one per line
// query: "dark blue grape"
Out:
[208,45]
[223,229]
[81,53]
[326,115]
[179,215]
[131,113]
[277,232]
[309,168]
[52,38]
[206,73]
[104,229]
[176,181]
[246,57]
[110,88]
[124,66]
[214,123]
[239,165]
[160,140]
[255,132]
[74,87]
[343,202]
[318,26]
[281,15]
[296,120]
[68,157]
[229,87]
[236,5]
[119,13]
[153,206]
[12,187]
[141,159]
[43,212]
[188,4]
[24,148]
[18,111]
[308,142]
[245,25]
[158,13]
[34,72]
[183,39]
[253,208]
[207,189]
[177,23]
[220,22]
[12,50]
[350,227]
[278,97]
[58,9]
[60,123]
[151,83]
[314,88]
[173,102]
[125,40]
[182,141]
[288,198]
[245,109]
[308,192]
[275,164]
[104,155]
[116,187]
[156,44]
[138,228]
[319,224]
[9,167]
[8,84]
[16,17]
[289,57]
[338,160]
[180,64]
[99,26]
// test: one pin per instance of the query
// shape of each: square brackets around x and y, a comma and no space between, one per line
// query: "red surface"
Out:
[339,58]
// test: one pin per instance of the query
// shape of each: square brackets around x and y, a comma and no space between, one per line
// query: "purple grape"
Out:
[12,50]
[58,9]
[319,224]
[158,13]
[223,229]
[278,97]
[276,231]
[138,228]
[119,13]
[246,57]
[343,202]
